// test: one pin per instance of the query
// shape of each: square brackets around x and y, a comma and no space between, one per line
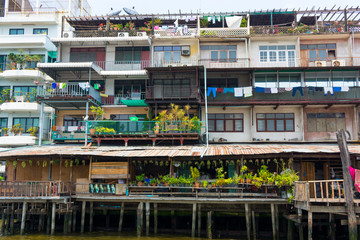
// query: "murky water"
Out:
[98,236]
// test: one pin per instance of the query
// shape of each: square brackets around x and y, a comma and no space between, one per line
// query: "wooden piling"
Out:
[53,218]
[277,222]
[41,222]
[209,233]
[66,223]
[70,222]
[23,218]
[173,221]
[253,224]
[155,218]
[290,230]
[273,221]
[147,213]
[248,221]
[121,216]
[139,219]
[83,209]
[301,229]
[3,222]
[91,214]
[107,219]
[332,226]
[8,219]
[193,227]
[12,219]
[310,225]
[48,221]
[74,222]
[199,220]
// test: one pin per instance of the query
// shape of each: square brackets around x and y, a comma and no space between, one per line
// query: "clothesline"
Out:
[248,91]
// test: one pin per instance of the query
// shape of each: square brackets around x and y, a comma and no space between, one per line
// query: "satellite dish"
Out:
[130,11]
[115,13]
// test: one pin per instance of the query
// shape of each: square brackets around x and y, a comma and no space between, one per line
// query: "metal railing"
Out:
[116,99]
[320,191]
[108,33]
[225,63]
[69,91]
[123,65]
[33,188]
[330,62]
[172,92]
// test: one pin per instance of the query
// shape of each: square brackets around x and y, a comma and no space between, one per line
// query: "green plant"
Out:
[243,22]
[173,181]
[103,130]
[5,94]
[204,183]
[204,23]
[5,131]
[195,174]
[140,178]
[33,131]
[16,129]
[98,112]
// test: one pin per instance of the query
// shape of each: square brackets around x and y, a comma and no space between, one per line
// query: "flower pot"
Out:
[92,131]
[196,184]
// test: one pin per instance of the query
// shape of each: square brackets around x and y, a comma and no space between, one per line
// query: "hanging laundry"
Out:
[192,19]
[82,86]
[328,90]
[281,90]
[209,19]
[274,90]
[97,86]
[220,90]
[357,180]
[187,19]
[289,89]
[259,89]
[311,89]
[185,29]
[295,89]
[176,23]
[156,27]
[337,89]
[228,90]
[319,89]
[267,90]
[213,20]
[53,85]
[233,22]
[213,90]
[345,89]
[164,27]
[352,172]
[248,91]
[238,92]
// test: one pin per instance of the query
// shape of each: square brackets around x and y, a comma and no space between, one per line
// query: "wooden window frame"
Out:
[225,119]
[274,118]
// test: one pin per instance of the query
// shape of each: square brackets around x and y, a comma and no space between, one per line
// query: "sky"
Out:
[103,7]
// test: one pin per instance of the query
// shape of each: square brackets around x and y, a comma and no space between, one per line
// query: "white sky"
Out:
[102,7]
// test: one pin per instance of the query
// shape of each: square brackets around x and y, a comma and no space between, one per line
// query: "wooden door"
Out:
[308,174]
[304,58]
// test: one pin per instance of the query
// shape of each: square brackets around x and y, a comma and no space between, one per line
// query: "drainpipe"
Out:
[206,115]
[50,168]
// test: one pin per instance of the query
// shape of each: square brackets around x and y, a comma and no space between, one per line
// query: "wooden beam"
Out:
[53,218]
[248,221]
[348,185]
[139,219]
[253,224]
[23,218]
[199,220]
[209,233]
[83,209]
[91,216]
[273,220]
[155,218]
[147,214]
[193,223]
[310,225]
[121,216]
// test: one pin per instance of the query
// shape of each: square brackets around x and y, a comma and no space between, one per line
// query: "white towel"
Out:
[328,89]
[72,128]
[82,86]
[274,90]
[238,92]
[289,89]
[233,22]
[247,91]
[345,88]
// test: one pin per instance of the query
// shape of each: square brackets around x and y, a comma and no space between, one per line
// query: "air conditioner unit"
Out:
[320,63]
[185,51]
[68,34]
[338,63]
[141,34]
[123,34]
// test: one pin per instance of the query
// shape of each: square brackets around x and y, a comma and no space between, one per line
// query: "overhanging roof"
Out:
[54,69]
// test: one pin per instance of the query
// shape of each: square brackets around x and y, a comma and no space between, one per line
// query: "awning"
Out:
[135,103]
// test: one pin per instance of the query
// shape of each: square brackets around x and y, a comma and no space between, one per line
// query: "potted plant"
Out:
[33,131]
[195,174]
[16,129]
[140,179]
[5,131]
[98,113]
[6,94]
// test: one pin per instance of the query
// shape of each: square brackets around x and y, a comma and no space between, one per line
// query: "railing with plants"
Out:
[33,188]
[116,99]
[22,61]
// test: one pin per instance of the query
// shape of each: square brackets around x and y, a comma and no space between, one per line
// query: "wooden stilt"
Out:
[48,220]
[41,222]
[91,216]
[193,227]
[332,226]
[248,221]
[3,222]
[74,222]
[107,219]
[253,224]
[66,223]
[147,213]
[23,218]
[273,221]
[155,218]
[209,233]
[290,230]
[12,219]
[121,216]
[199,220]
[53,218]
[139,219]
[8,219]
[277,222]
[83,209]
[310,225]
[301,229]
[173,221]
[70,222]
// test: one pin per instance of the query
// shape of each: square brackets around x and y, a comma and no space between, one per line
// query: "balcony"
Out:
[17,141]
[171,92]
[69,133]
[34,189]
[330,62]
[123,65]
[310,96]
[226,63]
[37,41]
[21,106]
[108,33]
[134,98]
[34,75]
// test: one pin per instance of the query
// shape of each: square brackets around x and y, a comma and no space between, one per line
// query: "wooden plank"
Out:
[110,176]
[94,164]
[108,171]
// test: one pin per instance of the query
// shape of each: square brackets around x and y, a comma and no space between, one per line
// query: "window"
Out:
[40,31]
[233,122]
[289,80]
[131,54]
[278,53]
[3,124]
[325,122]
[172,88]
[19,31]
[275,122]
[167,53]
[87,54]
[222,82]
[26,123]
[221,53]
[74,121]
[265,80]
[319,52]
[128,87]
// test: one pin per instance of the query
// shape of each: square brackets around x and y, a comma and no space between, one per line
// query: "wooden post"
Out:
[332,226]
[48,220]
[121,216]
[70,222]
[273,221]
[147,212]
[173,221]
[253,224]
[310,224]
[209,233]
[53,218]
[107,219]
[193,221]
[301,230]
[8,219]
[74,222]
[248,221]
[277,221]
[23,218]
[139,219]
[155,219]
[41,223]
[91,216]
[290,230]
[12,219]
[199,220]
[66,223]
[3,222]
[83,209]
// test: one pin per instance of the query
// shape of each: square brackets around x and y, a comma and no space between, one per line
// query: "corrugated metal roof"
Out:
[177,151]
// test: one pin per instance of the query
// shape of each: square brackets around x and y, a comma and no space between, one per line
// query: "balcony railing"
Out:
[107,33]
[123,65]
[330,62]
[71,90]
[172,92]
[116,99]
[33,188]
[225,63]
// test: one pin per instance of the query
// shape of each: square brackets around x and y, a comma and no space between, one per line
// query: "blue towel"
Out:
[230,90]
[337,89]
[259,89]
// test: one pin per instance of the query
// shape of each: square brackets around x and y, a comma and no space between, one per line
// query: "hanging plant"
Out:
[30,162]
[145,162]
[196,163]
[250,161]
[268,161]
[238,161]
[71,163]
[208,163]
[23,164]
[77,161]
[134,162]
[189,163]
[214,163]
[38,163]
[227,162]
[83,162]
[52,162]
[244,161]
[184,163]
[44,163]
[151,161]
[221,162]
[15,163]
[257,161]
[275,160]
[66,163]
[7,163]
[262,161]
[156,163]
[167,163]
[161,163]
[139,162]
